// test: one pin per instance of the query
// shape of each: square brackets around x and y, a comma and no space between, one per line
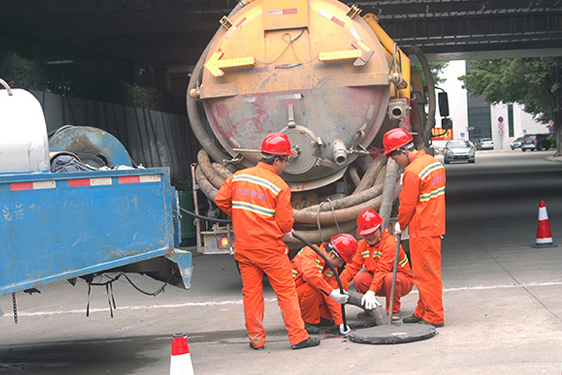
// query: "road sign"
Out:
[500,126]
[500,132]
[500,119]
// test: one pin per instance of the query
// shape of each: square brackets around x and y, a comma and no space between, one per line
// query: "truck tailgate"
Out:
[58,226]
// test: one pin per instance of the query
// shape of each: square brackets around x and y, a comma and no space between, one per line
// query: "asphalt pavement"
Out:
[503,306]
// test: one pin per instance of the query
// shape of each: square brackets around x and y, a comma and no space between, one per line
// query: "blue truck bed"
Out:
[59,226]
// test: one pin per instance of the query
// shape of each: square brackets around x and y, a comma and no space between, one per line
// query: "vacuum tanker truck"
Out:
[333,81]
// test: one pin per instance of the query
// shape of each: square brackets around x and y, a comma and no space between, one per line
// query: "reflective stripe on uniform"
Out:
[432,194]
[258,181]
[404,261]
[430,168]
[365,254]
[320,267]
[253,208]
[377,254]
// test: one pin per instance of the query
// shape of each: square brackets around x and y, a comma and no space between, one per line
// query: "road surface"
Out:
[503,302]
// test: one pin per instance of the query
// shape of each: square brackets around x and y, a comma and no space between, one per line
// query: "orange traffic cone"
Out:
[544,237]
[180,363]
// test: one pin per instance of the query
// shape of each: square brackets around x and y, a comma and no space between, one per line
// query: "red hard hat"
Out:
[276,144]
[394,139]
[345,245]
[368,222]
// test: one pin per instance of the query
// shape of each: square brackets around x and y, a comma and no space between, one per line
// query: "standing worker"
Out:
[320,298]
[377,252]
[259,202]
[422,211]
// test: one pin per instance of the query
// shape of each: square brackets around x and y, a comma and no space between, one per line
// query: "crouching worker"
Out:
[377,251]
[317,288]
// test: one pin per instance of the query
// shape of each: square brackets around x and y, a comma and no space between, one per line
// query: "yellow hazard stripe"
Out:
[253,208]
[258,181]
[432,194]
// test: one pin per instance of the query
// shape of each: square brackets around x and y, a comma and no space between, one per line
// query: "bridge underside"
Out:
[169,35]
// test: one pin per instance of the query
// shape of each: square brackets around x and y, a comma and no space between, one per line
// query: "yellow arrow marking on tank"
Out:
[215,64]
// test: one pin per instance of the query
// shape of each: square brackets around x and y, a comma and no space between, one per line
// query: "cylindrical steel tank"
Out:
[312,69]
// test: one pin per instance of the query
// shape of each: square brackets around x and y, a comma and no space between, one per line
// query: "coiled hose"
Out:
[327,219]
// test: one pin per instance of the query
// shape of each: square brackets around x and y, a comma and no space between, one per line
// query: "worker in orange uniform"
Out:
[422,211]
[259,202]
[317,288]
[377,252]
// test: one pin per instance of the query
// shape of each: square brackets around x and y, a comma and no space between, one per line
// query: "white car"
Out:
[485,144]
[516,143]
[459,151]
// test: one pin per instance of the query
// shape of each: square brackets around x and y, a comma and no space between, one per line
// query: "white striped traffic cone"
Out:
[180,363]
[544,237]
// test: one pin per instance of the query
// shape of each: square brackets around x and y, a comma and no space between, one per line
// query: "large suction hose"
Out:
[192,110]
[430,122]
[330,218]
[331,267]
[295,235]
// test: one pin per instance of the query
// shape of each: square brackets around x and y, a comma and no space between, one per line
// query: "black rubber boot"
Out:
[411,319]
[311,329]
[309,342]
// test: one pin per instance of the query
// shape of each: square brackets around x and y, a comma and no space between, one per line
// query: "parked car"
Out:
[459,151]
[485,144]
[516,143]
[535,142]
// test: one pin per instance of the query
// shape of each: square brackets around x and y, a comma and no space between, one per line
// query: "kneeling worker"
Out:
[317,288]
[377,251]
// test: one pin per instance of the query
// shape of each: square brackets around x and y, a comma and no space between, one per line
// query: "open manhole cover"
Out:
[393,333]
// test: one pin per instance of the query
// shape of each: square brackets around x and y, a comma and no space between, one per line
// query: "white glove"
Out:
[369,300]
[339,297]
[344,329]
[289,236]
[397,229]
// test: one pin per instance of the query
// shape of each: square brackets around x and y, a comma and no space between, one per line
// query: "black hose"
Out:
[307,243]
[206,218]
[331,267]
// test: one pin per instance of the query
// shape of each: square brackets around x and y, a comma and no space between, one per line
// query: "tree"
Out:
[534,83]
[436,68]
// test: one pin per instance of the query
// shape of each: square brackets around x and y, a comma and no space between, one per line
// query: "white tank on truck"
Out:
[69,225]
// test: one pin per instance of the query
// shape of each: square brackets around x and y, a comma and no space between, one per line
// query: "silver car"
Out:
[485,144]
[516,143]
[459,151]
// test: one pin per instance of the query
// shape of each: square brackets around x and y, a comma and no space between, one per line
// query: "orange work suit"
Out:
[379,266]
[259,203]
[314,281]
[422,210]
